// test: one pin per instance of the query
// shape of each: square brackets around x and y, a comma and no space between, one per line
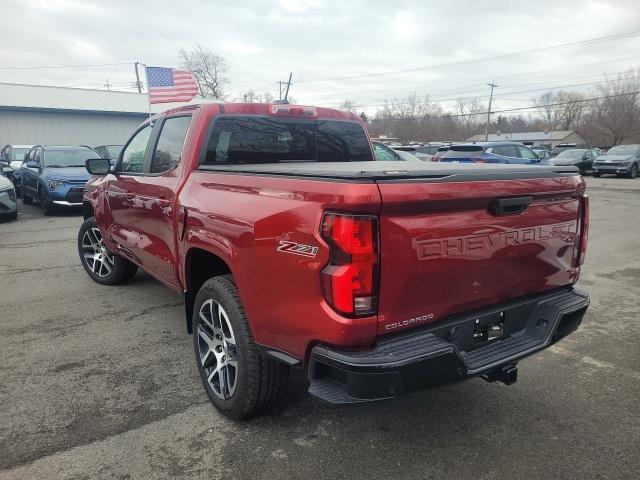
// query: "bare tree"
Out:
[349,106]
[469,111]
[251,96]
[617,116]
[208,69]
[547,108]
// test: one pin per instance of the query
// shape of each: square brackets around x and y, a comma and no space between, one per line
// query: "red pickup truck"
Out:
[294,248]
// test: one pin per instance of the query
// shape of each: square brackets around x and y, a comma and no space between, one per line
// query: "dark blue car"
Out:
[492,152]
[55,175]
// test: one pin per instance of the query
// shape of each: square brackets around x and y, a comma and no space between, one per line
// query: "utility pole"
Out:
[281,87]
[486,126]
[286,94]
[108,85]
[138,84]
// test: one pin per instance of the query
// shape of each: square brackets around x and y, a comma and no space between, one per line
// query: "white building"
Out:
[44,115]
[549,138]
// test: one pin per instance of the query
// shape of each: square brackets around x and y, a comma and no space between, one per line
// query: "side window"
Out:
[36,155]
[169,148]
[383,154]
[133,155]
[526,153]
[509,151]
[101,151]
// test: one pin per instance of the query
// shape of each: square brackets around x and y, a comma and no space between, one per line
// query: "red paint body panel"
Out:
[281,292]
[442,252]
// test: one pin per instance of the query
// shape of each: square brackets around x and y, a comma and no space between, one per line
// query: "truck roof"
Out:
[262,109]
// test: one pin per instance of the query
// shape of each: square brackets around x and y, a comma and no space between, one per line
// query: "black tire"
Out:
[121,270]
[45,203]
[260,381]
[26,199]
[633,173]
[596,175]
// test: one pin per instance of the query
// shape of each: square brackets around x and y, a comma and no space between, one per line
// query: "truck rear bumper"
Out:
[485,343]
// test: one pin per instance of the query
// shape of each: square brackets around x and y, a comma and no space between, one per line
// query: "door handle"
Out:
[510,206]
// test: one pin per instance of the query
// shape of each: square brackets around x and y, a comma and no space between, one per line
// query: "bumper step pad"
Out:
[418,359]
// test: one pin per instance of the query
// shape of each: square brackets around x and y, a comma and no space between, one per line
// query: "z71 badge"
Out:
[297,248]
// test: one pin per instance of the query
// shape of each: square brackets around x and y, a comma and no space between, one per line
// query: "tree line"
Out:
[606,116]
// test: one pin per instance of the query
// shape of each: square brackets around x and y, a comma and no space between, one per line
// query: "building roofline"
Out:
[68,88]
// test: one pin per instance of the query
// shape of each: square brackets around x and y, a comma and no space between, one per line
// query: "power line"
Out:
[617,36]
[535,107]
[67,66]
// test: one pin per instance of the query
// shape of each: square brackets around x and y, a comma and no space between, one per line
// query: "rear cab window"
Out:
[263,139]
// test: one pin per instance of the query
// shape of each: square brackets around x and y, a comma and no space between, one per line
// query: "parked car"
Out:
[8,199]
[407,156]
[578,157]
[619,160]
[561,147]
[441,151]
[542,153]
[55,175]
[293,248]
[422,152]
[384,153]
[13,155]
[111,152]
[491,152]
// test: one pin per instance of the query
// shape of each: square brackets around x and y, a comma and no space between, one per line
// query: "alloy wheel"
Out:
[217,349]
[95,253]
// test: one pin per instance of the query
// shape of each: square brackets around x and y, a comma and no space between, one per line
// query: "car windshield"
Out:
[18,153]
[68,158]
[573,153]
[623,150]
[114,151]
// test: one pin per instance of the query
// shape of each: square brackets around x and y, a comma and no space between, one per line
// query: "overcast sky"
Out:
[317,40]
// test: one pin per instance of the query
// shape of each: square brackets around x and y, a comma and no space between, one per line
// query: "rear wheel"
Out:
[26,199]
[596,174]
[101,265]
[239,381]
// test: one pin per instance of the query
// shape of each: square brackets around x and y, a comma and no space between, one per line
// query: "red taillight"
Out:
[584,228]
[350,279]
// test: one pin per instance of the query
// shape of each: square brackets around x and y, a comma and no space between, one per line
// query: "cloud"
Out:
[322,40]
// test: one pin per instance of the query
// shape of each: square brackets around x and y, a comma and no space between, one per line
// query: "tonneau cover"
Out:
[390,171]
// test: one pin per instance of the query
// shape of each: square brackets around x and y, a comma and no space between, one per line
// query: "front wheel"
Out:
[239,381]
[46,205]
[633,173]
[596,175]
[100,264]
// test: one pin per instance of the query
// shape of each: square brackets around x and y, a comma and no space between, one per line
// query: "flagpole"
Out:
[146,76]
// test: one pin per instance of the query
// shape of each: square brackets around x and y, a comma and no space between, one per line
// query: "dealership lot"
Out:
[100,382]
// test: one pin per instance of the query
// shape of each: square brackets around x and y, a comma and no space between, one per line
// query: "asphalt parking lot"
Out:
[100,382]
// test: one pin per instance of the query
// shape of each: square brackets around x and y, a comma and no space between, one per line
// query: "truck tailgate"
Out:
[449,247]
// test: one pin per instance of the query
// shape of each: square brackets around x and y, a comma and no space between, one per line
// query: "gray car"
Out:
[619,160]
[8,202]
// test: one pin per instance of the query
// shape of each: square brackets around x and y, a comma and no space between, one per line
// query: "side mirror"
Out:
[98,166]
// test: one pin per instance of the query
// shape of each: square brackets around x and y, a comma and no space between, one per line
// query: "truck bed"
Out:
[390,171]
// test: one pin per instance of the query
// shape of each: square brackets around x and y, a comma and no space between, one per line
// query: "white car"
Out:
[8,203]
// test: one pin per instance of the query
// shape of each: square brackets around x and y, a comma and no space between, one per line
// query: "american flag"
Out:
[170,85]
